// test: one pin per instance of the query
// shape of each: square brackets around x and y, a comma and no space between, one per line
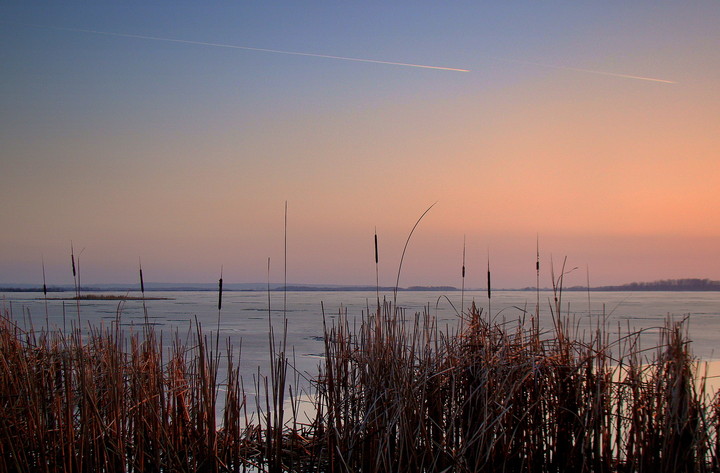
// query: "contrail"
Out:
[590,71]
[343,58]
[248,48]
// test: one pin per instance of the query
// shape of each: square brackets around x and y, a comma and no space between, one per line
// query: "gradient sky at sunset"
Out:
[183,154]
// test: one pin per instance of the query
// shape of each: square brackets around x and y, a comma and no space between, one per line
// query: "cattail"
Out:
[463,260]
[537,275]
[142,283]
[220,291]
[376,249]
[72,259]
[462,292]
[43,271]
[488,279]
[377,273]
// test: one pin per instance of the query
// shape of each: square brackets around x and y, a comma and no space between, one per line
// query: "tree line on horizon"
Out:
[686,284]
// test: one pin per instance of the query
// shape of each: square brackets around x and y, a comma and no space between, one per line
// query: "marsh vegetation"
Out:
[394,393]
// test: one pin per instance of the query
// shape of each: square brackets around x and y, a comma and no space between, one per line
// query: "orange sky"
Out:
[184,155]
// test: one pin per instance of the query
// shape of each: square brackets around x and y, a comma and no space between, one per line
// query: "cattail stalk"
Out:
[47,319]
[462,291]
[377,272]
[537,276]
[142,291]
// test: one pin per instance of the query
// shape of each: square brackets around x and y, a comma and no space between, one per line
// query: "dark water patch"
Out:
[274,310]
[151,324]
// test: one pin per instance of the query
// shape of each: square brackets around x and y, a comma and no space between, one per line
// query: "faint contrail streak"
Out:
[248,48]
[344,58]
[590,71]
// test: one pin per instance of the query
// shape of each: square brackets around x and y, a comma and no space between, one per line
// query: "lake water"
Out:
[244,319]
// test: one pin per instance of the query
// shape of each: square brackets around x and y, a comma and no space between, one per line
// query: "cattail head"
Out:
[43,274]
[376,249]
[220,290]
[488,278]
[463,258]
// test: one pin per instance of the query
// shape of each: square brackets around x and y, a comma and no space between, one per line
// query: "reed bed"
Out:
[108,402]
[395,393]
[401,395]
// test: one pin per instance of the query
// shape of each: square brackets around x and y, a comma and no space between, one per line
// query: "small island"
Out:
[108,297]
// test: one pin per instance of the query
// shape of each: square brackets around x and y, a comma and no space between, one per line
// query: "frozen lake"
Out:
[245,316]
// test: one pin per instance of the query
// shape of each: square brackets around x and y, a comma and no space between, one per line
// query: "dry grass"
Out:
[402,396]
[394,394]
[109,403]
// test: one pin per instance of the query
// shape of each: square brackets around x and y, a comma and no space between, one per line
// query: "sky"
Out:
[174,133]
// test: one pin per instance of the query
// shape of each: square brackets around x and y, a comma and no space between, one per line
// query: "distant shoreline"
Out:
[669,285]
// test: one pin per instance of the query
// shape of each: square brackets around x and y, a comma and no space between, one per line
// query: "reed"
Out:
[395,393]
[109,402]
[402,396]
